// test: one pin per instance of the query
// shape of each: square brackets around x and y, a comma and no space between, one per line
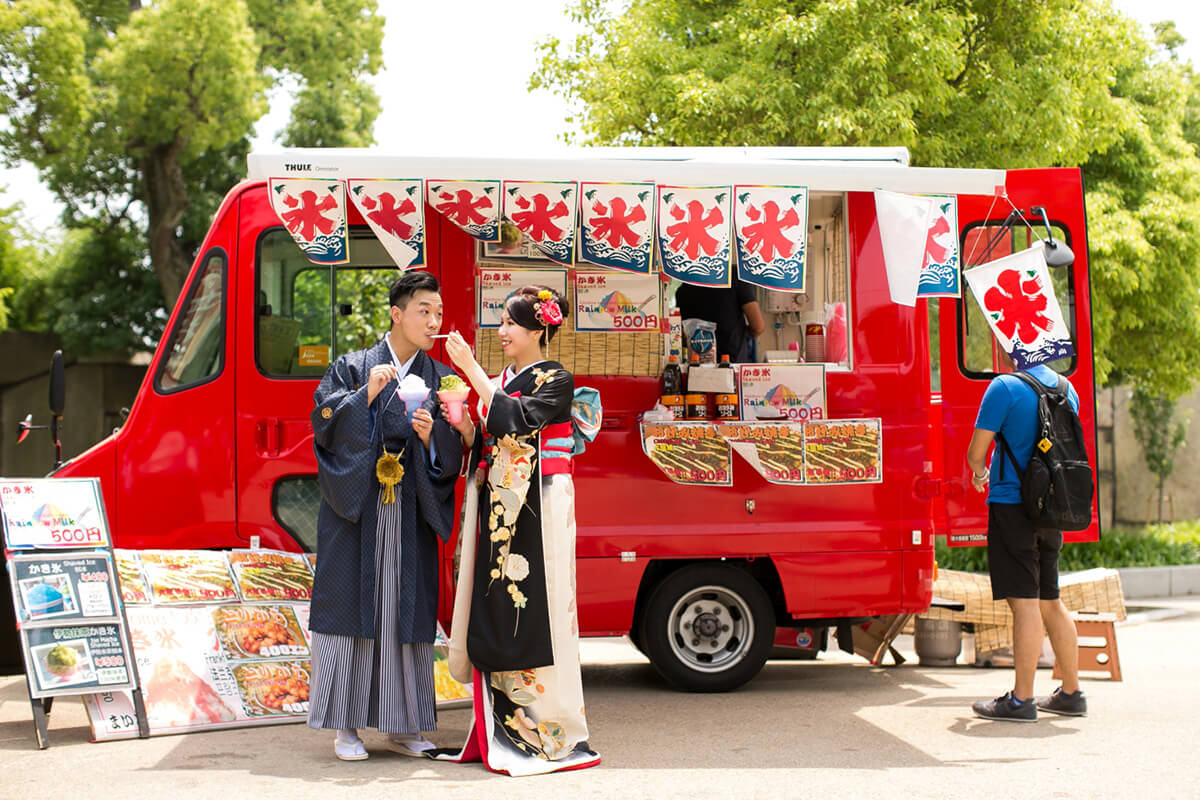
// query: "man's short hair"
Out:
[408,284]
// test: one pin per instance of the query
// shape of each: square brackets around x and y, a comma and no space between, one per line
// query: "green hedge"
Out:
[1155,546]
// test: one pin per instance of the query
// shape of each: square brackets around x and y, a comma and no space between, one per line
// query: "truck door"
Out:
[968,353]
[299,317]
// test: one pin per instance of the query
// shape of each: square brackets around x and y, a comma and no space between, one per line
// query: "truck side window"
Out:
[978,351]
[196,352]
[309,314]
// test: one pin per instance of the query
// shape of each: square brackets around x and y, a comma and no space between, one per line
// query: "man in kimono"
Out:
[387,496]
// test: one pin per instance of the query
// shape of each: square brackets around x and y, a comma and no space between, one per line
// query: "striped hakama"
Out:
[379,683]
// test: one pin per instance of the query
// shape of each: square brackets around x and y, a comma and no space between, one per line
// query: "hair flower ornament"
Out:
[546,310]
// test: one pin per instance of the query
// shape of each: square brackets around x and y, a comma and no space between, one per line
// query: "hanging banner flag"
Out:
[472,205]
[314,212]
[395,210]
[771,223]
[1017,298]
[940,269]
[608,301]
[693,233]
[545,212]
[903,229]
[616,225]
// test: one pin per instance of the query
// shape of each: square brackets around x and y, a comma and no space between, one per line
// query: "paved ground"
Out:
[835,728]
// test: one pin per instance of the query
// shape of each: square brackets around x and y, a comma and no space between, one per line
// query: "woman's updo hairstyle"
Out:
[538,308]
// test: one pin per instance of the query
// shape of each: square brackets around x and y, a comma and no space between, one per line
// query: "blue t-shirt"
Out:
[1009,408]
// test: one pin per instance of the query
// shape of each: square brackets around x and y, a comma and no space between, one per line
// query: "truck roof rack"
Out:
[837,169]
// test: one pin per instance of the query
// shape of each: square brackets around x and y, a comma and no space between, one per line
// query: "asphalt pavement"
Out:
[837,727]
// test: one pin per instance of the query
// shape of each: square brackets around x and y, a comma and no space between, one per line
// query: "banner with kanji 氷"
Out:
[694,239]
[771,225]
[395,211]
[314,212]
[472,205]
[616,225]
[545,212]
[1018,301]
[940,268]
[903,221]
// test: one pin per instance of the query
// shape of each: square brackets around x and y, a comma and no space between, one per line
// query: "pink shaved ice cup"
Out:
[454,403]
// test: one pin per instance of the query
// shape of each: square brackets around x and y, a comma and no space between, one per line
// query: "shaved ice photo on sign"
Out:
[1018,301]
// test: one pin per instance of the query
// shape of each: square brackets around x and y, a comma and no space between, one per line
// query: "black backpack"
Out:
[1057,485]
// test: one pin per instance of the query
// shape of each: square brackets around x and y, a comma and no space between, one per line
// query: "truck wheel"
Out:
[708,628]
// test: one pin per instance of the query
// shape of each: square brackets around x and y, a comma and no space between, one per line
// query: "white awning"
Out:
[821,169]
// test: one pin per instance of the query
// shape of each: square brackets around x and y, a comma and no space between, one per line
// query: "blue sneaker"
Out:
[1070,705]
[1005,709]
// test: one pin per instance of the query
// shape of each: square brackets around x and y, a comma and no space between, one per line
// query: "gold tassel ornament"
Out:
[390,472]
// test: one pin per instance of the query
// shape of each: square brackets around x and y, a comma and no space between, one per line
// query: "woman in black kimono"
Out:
[522,637]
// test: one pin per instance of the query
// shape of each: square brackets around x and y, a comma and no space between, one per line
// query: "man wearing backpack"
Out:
[1022,557]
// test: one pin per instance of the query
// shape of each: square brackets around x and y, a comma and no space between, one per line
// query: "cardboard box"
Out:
[782,391]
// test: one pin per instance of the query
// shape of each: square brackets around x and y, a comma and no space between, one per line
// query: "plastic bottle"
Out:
[725,362]
[672,377]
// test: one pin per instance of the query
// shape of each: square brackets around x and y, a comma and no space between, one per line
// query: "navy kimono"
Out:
[349,437]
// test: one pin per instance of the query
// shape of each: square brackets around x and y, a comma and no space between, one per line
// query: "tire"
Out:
[708,628]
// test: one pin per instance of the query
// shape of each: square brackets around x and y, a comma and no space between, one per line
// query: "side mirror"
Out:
[1057,252]
[58,385]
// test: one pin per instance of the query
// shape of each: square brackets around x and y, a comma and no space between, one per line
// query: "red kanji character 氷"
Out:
[387,216]
[307,219]
[538,222]
[1016,306]
[616,226]
[462,208]
[766,237]
[935,253]
[690,234]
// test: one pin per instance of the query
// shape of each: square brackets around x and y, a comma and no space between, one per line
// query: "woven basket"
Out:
[633,354]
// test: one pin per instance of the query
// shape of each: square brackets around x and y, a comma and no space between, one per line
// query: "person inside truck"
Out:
[522,633]
[387,479]
[734,310]
[1022,560]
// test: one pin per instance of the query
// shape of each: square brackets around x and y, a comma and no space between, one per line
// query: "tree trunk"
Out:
[1161,485]
[166,196]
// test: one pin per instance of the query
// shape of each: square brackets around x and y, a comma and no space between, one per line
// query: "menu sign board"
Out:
[775,450]
[52,513]
[689,453]
[76,659]
[496,285]
[63,588]
[843,451]
[613,301]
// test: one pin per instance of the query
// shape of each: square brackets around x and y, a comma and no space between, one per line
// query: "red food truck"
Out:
[699,567]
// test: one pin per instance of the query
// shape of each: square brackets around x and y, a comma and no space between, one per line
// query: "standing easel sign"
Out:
[71,621]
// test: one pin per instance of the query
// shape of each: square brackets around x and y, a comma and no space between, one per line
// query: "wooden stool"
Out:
[1096,657]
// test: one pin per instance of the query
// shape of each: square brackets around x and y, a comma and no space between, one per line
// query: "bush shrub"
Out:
[1155,546]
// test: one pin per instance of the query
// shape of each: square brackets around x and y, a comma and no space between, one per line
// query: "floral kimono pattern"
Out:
[522,637]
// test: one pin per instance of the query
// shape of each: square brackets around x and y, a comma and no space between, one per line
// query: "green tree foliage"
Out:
[18,262]
[138,116]
[962,83]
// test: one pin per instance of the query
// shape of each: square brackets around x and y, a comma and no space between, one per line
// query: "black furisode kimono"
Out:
[374,601]
[522,634]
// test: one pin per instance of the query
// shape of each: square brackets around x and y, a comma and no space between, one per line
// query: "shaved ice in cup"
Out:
[413,391]
[453,391]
